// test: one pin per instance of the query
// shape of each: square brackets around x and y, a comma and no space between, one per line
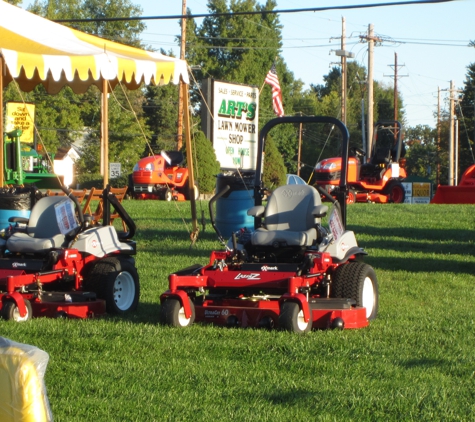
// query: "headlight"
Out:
[325,166]
[149,167]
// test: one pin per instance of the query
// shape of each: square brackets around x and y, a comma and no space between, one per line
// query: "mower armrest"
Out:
[256,211]
[320,211]
[23,220]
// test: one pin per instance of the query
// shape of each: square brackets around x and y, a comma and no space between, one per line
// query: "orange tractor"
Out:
[162,177]
[376,179]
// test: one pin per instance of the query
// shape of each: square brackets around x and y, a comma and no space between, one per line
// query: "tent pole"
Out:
[2,139]
[189,159]
[105,132]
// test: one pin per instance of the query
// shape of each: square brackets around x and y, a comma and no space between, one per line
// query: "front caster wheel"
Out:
[10,311]
[168,195]
[291,318]
[172,313]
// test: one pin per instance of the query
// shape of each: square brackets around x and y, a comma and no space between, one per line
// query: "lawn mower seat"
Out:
[290,217]
[381,156]
[42,232]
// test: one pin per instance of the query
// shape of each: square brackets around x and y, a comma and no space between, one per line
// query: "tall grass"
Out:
[414,362]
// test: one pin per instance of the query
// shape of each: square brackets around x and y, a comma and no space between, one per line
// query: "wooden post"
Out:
[105,132]
[2,169]
[179,143]
[189,159]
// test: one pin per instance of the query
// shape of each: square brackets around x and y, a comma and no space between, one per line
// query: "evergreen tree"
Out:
[465,112]
[206,166]
[274,172]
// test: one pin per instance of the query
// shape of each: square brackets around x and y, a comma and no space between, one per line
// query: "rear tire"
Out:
[117,282]
[11,312]
[186,192]
[396,192]
[291,318]
[172,313]
[358,281]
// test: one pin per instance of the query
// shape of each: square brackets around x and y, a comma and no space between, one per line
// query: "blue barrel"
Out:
[14,203]
[231,208]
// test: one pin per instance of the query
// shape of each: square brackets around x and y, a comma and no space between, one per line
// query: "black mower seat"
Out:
[43,232]
[290,218]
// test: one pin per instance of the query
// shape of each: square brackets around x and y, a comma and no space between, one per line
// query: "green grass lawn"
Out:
[416,361]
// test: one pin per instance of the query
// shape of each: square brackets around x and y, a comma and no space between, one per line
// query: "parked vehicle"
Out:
[376,177]
[55,264]
[162,177]
[290,272]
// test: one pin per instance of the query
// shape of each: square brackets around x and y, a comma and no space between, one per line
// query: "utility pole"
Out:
[370,119]
[456,150]
[179,143]
[300,149]
[344,76]
[451,135]
[396,76]
[371,39]
[438,137]
[344,71]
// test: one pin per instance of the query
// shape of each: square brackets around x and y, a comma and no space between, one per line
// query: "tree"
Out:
[465,112]
[76,116]
[160,111]
[274,169]
[421,152]
[206,166]
[242,49]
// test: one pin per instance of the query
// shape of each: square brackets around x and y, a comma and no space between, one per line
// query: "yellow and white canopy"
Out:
[38,51]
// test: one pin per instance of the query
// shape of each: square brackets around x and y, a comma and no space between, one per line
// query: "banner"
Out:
[21,116]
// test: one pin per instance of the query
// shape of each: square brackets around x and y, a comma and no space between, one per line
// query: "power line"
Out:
[260,12]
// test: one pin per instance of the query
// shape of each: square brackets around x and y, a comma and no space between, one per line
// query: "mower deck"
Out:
[326,313]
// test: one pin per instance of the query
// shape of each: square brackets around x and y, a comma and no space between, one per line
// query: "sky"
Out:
[430,40]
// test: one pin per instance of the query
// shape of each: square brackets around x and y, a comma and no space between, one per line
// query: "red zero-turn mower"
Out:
[54,265]
[290,272]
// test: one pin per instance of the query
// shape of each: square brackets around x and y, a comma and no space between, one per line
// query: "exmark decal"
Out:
[267,268]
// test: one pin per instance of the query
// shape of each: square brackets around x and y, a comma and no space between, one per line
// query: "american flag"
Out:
[273,80]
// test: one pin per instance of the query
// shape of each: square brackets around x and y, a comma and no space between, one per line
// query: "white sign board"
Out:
[235,125]
[336,226]
[114,170]
[65,216]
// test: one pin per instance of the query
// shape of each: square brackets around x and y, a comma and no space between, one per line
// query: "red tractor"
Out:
[290,272]
[162,177]
[377,179]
